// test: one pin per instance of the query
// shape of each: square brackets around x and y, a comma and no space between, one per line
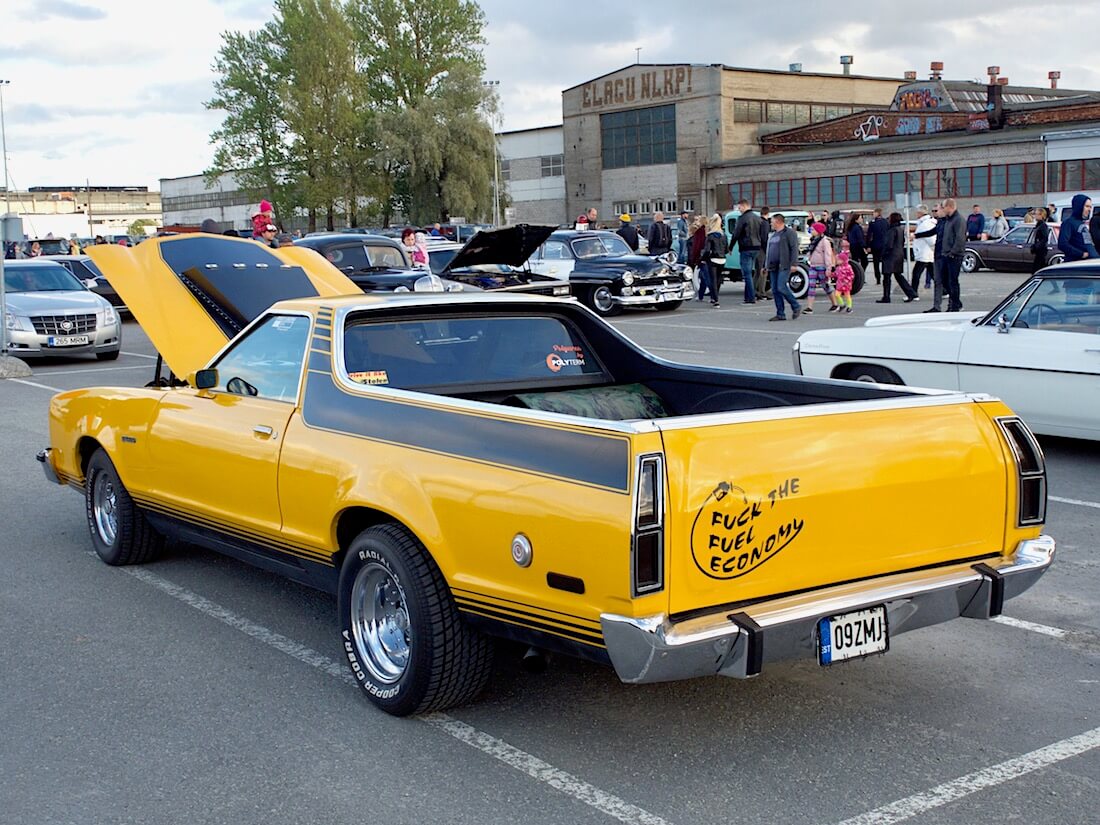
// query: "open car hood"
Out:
[193,293]
[511,246]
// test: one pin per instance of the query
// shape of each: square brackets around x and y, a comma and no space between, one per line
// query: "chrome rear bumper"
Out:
[739,642]
[43,457]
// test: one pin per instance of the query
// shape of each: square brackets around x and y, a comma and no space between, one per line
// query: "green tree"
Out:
[138,226]
[252,140]
[422,65]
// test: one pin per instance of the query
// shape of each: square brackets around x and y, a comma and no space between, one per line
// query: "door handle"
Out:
[263,431]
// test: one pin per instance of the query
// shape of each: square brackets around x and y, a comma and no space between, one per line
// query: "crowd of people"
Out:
[878,243]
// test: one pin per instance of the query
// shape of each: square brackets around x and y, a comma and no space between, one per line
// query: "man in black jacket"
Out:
[627,232]
[876,237]
[954,245]
[660,235]
[746,234]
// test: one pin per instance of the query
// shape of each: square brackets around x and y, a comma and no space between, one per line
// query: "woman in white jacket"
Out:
[924,247]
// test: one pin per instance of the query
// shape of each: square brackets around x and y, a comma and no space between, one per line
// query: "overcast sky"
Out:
[112,90]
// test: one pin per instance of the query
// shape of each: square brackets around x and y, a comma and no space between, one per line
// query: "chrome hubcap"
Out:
[602,299]
[380,623]
[105,509]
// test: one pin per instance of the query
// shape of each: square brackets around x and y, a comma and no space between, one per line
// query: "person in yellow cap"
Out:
[627,232]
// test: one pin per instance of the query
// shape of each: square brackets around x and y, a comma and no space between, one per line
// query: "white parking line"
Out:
[141,355]
[676,349]
[95,369]
[497,748]
[1022,624]
[989,777]
[1076,501]
[35,384]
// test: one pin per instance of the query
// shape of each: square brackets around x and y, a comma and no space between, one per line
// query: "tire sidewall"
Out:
[99,465]
[405,695]
[970,262]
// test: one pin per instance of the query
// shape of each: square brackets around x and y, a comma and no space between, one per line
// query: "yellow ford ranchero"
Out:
[459,467]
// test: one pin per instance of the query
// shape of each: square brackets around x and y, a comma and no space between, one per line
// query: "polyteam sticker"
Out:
[734,533]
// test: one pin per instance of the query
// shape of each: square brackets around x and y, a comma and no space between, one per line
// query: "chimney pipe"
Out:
[993,71]
[910,75]
[1002,81]
[1054,77]
[795,67]
[937,70]
[846,61]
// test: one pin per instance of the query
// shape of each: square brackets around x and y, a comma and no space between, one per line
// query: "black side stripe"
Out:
[235,531]
[527,615]
[473,595]
[596,460]
[593,641]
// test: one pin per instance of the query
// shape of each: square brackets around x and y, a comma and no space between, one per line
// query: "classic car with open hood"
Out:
[608,276]
[495,260]
[457,467]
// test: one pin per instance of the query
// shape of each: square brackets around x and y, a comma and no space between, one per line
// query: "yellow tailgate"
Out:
[777,506]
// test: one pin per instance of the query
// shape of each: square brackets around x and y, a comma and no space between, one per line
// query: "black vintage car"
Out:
[88,273]
[496,260]
[1012,253]
[376,263]
[607,276]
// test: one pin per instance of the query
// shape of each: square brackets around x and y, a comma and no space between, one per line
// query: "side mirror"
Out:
[1002,323]
[205,379]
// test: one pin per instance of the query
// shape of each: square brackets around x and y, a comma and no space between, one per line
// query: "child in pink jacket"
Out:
[845,275]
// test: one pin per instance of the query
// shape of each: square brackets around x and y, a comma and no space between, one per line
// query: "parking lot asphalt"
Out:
[196,689]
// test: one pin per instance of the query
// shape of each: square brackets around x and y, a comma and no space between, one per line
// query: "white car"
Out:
[1038,351]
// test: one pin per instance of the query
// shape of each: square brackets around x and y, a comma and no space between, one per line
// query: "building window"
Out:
[1074,174]
[997,177]
[747,111]
[962,182]
[639,137]
[505,170]
[1092,177]
[689,203]
[553,166]
[1033,177]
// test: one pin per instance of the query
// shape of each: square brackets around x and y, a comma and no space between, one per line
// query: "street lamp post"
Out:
[492,86]
[3,228]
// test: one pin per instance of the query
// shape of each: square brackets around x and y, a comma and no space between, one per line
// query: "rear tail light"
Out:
[647,551]
[1031,471]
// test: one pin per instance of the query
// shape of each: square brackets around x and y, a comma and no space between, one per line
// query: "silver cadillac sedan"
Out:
[51,313]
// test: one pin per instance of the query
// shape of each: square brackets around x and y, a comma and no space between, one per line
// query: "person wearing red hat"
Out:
[264,216]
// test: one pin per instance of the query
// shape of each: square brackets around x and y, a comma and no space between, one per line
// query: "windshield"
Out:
[599,247]
[54,278]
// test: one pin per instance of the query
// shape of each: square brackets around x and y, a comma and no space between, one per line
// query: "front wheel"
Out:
[120,532]
[970,262]
[872,374]
[1056,259]
[601,300]
[407,646]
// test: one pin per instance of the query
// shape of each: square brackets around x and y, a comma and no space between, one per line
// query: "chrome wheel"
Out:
[380,623]
[969,262]
[603,299]
[105,509]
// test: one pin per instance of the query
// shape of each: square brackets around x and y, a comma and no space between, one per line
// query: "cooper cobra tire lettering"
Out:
[447,662]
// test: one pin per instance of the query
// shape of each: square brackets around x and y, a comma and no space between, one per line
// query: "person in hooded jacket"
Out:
[1074,239]
[893,259]
[857,241]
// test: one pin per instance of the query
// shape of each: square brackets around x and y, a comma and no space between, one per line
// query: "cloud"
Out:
[67,10]
[98,54]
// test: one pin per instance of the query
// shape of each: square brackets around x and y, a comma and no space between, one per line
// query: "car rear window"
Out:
[468,352]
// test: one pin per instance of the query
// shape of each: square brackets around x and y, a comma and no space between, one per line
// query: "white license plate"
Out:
[851,635]
[66,340]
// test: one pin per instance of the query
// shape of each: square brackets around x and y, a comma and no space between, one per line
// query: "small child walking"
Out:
[845,275]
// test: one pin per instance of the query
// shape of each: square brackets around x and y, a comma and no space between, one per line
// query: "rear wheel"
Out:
[408,648]
[799,282]
[601,300]
[872,374]
[120,532]
[970,262]
[859,278]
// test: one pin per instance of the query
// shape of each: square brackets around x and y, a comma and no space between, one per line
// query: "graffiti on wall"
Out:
[917,98]
[870,128]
